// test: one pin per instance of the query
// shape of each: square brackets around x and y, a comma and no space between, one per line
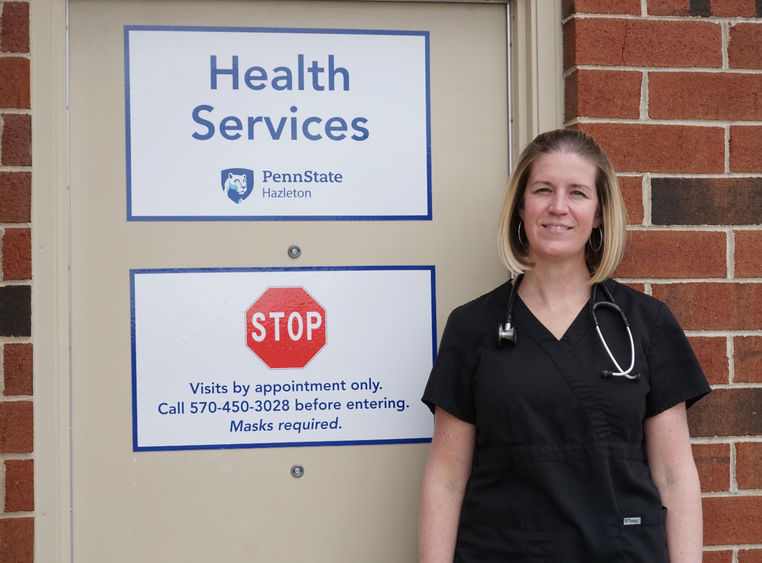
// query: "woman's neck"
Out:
[555,296]
[553,284]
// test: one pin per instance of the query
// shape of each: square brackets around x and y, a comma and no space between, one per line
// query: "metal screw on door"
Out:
[294,251]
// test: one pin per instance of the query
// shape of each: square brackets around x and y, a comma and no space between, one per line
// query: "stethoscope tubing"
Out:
[507,332]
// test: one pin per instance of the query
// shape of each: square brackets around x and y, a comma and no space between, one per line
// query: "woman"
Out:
[549,448]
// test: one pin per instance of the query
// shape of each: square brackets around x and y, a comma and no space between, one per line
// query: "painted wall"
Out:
[673,91]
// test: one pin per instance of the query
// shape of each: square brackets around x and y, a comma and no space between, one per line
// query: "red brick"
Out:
[674,254]
[16,142]
[17,540]
[17,368]
[745,47]
[745,148]
[747,355]
[727,412]
[712,354]
[660,148]
[649,43]
[736,8]
[19,485]
[706,201]
[748,464]
[748,249]
[17,254]
[669,8]
[714,306]
[717,557]
[14,83]
[713,464]
[723,8]
[732,520]
[603,93]
[15,427]
[601,7]
[632,192]
[750,556]
[14,32]
[15,197]
[704,95]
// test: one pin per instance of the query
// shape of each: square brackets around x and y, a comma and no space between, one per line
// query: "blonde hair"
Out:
[601,262]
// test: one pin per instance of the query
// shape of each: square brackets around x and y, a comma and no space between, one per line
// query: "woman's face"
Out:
[560,207]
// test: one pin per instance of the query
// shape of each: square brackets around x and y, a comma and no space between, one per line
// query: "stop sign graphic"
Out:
[285,327]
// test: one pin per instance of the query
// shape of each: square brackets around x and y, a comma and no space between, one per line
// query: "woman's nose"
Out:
[558,203]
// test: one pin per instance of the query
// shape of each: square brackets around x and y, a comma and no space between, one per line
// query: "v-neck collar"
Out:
[578,327]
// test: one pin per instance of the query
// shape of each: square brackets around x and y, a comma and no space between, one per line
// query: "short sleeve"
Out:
[450,383]
[675,373]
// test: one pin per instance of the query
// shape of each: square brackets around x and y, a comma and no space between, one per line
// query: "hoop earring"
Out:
[518,234]
[600,240]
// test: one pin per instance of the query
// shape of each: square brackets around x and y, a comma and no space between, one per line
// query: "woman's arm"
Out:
[674,472]
[444,483]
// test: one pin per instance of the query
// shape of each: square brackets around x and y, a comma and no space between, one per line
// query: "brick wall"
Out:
[673,91]
[16,445]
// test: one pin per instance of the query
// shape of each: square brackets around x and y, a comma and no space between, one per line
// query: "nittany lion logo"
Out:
[237,183]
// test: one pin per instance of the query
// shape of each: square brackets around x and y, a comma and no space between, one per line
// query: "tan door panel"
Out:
[354,503]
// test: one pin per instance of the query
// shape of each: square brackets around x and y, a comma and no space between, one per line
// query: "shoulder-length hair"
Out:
[602,260]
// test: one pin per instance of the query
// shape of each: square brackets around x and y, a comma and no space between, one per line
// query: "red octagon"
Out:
[285,327]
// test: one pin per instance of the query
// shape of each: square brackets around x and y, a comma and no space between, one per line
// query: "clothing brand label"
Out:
[632,521]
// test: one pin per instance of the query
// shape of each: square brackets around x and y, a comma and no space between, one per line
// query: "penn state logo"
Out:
[237,183]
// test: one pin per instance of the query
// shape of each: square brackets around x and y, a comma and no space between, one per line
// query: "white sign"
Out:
[261,123]
[211,347]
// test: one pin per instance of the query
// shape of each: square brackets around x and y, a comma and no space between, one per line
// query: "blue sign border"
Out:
[133,353]
[131,217]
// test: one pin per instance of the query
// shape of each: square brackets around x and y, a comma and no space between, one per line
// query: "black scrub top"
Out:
[560,471]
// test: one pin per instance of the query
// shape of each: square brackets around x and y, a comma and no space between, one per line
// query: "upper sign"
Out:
[263,124]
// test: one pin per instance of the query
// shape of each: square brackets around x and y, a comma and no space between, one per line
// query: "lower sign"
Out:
[281,356]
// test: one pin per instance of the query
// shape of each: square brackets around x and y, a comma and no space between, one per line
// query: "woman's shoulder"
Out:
[634,301]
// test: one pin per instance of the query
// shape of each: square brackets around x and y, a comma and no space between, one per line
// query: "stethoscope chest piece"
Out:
[506,333]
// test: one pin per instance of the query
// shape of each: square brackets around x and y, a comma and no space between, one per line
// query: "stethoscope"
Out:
[506,332]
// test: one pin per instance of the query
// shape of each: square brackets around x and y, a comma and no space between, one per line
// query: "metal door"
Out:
[355,503]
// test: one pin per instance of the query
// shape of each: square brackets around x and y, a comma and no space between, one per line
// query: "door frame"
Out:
[535,70]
